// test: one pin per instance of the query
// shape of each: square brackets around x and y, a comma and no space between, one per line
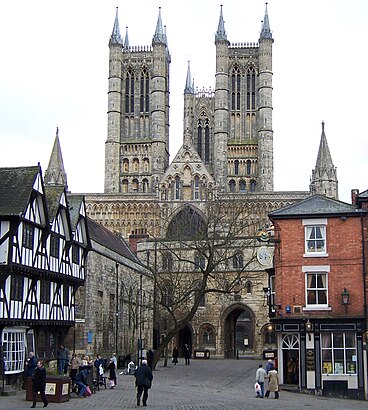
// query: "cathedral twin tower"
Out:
[227,136]
[230,129]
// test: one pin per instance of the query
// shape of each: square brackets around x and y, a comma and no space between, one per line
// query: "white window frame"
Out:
[335,365]
[307,270]
[14,349]
[320,223]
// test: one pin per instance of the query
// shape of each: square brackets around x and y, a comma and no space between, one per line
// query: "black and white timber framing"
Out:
[43,248]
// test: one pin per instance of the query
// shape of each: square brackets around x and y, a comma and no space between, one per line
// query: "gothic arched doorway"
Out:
[185,338]
[238,331]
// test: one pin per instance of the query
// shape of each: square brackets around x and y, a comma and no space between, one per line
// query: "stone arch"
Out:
[186,222]
[238,323]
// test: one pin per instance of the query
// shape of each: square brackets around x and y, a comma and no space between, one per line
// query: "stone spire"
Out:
[189,85]
[266,31]
[221,33]
[159,37]
[115,36]
[126,41]
[55,174]
[324,176]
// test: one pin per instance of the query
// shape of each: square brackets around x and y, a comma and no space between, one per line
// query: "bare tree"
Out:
[203,252]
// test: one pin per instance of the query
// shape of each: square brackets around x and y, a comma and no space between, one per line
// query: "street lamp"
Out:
[345,295]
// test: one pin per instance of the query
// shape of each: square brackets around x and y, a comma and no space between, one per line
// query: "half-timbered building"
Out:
[43,249]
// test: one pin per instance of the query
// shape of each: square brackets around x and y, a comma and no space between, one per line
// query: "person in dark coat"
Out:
[143,380]
[150,358]
[81,381]
[31,364]
[39,384]
[62,359]
[112,373]
[187,354]
[175,355]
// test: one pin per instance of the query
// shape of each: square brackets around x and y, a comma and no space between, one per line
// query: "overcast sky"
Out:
[54,71]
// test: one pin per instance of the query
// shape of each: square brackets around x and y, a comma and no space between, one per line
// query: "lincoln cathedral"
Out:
[158,207]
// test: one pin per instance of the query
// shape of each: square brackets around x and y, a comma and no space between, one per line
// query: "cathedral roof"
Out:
[105,237]
[314,206]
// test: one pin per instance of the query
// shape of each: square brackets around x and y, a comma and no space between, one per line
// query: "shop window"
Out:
[13,343]
[339,353]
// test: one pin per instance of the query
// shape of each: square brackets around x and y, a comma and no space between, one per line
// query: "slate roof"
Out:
[103,236]
[53,194]
[316,205]
[16,186]
[74,202]
[363,194]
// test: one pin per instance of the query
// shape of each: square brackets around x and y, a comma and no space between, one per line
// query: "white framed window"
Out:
[315,237]
[339,353]
[14,347]
[316,287]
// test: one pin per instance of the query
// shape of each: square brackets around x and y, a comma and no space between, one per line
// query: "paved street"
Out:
[204,385]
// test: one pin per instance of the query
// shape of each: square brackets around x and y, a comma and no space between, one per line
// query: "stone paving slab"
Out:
[204,385]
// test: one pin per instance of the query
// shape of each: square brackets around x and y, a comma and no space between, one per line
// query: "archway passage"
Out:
[184,338]
[238,332]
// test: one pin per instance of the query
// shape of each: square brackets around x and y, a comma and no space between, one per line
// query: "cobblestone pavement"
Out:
[204,385]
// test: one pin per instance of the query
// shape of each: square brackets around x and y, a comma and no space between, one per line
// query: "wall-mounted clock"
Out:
[264,256]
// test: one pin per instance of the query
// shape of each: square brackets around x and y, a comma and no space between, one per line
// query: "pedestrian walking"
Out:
[112,373]
[143,382]
[187,354]
[175,355]
[269,365]
[62,359]
[273,382]
[260,379]
[39,384]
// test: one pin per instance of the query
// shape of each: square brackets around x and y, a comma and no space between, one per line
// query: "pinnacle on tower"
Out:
[55,173]
[115,36]
[189,85]
[126,42]
[159,37]
[266,31]
[324,176]
[221,33]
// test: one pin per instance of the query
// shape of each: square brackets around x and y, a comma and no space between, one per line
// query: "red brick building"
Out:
[318,296]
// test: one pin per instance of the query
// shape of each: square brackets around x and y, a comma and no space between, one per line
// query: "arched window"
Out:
[135,185]
[253,186]
[177,187]
[232,185]
[199,146]
[199,262]
[236,167]
[144,91]
[135,165]
[238,261]
[208,336]
[126,165]
[206,142]
[167,293]
[235,89]
[125,185]
[145,185]
[251,89]
[248,286]
[167,262]
[242,186]
[249,164]
[146,165]
[196,187]
[129,92]
[187,225]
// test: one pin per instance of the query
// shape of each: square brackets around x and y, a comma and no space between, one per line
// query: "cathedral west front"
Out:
[226,155]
